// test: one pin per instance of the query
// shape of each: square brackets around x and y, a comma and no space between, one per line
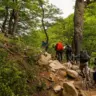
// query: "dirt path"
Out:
[91,92]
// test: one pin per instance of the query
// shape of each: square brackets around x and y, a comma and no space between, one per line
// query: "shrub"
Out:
[12,81]
[3,56]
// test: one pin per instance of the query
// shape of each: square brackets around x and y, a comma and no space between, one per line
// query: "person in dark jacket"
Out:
[84,58]
[68,53]
[94,76]
[94,73]
[44,45]
[94,62]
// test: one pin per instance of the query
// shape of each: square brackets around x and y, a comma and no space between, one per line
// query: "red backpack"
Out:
[59,46]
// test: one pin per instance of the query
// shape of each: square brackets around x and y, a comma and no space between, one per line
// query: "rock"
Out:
[62,73]
[72,73]
[56,65]
[78,71]
[48,55]
[57,88]
[68,65]
[82,93]
[44,59]
[52,93]
[52,76]
[69,89]
[91,70]
[59,75]
[50,61]
[75,67]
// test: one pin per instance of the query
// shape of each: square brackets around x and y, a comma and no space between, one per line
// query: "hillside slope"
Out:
[18,70]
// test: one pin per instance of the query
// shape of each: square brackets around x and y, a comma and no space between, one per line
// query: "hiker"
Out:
[59,50]
[44,45]
[94,73]
[68,53]
[94,76]
[84,58]
[94,62]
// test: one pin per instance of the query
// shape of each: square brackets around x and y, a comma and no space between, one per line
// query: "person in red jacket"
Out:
[59,50]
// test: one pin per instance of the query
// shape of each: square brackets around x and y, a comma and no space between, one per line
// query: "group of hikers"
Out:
[83,58]
[59,48]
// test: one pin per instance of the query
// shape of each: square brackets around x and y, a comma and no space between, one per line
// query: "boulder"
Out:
[56,65]
[57,88]
[44,59]
[62,73]
[82,93]
[68,65]
[72,73]
[53,76]
[75,67]
[69,89]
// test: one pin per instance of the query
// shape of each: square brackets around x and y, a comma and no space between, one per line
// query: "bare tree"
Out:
[43,24]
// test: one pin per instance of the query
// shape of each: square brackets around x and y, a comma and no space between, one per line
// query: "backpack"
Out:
[68,49]
[84,57]
[59,46]
[94,62]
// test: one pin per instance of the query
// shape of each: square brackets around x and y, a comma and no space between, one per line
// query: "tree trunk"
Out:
[11,23]
[5,20]
[43,24]
[15,18]
[78,25]
[15,21]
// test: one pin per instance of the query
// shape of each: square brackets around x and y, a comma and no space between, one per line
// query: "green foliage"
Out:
[17,45]
[29,13]
[17,72]
[89,40]
[3,56]
[32,39]
[63,30]
[3,39]
[31,56]
[12,81]
[41,86]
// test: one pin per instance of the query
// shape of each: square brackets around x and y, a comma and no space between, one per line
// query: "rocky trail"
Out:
[63,79]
